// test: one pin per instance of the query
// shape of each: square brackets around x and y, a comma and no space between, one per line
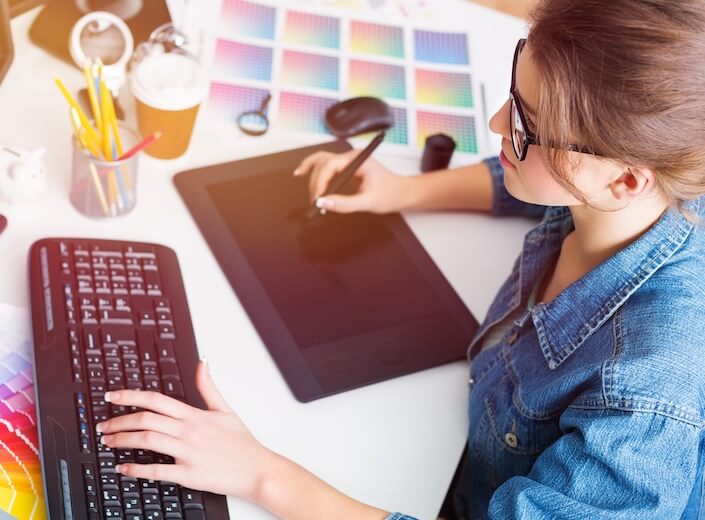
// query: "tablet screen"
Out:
[330,277]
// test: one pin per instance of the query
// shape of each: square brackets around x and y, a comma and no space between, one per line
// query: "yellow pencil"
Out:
[113,124]
[90,84]
[78,130]
[105,126]
[84,120]
[99,189]
[86,139]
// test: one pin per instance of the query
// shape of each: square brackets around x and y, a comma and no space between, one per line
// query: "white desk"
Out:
[393,444]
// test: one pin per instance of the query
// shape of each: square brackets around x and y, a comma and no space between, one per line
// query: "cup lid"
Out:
[169,81]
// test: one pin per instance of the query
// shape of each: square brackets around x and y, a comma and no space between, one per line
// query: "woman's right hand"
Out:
[381,191]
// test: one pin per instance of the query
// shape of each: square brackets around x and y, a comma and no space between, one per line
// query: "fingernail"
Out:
[204,360]
[99,427]
[118,468]
[327,203]
[297,172]
[321,202]
[104,439]
[107,397]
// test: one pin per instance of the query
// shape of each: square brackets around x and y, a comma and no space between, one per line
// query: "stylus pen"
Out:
[346,174]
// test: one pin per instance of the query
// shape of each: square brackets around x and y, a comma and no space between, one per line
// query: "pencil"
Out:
[84,120]
[346,174]
[99,189]
[141,145]
[84,137]
[90,86]
[105,126]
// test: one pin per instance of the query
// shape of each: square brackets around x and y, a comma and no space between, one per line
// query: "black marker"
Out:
[346,174]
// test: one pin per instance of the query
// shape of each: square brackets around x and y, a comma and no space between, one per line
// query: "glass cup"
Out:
[102,189]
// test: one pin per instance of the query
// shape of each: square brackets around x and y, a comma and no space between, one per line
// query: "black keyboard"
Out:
[108,315]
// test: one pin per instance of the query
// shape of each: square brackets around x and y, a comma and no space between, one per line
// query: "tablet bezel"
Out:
[360,361]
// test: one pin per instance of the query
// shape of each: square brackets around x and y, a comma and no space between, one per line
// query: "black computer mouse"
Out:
[359,115]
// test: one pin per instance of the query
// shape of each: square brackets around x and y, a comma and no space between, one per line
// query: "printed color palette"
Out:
[438,47]
[233,100]
[380,40]
[21,493]
[248,19]
[460,128]
[443,88]
[399,133]
[302,112]
[313,30]
[376,79]
[309,70]
[241,61]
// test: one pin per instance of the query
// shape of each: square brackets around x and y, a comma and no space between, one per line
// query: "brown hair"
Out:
[627,79]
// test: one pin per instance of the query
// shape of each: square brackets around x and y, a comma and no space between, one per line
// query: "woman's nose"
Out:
[499,123]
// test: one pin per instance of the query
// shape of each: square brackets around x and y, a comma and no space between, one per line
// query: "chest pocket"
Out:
[505,441]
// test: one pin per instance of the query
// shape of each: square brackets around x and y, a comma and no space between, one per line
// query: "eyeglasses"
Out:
[522,136]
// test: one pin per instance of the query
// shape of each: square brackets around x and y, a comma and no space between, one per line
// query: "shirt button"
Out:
[471,382]
[511,440]
[513,338]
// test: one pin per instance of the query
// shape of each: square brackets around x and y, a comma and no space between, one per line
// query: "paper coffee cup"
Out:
[168,89]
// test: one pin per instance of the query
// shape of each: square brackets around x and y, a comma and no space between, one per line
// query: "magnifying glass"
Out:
[103,35]
[255,122]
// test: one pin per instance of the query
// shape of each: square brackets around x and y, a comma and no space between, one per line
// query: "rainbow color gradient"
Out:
[21,493]
[460,128]
[375,39]
[232,100]
[312,30]
[303,112]
[443,88]
[241,61]
[440,47]
[309,70]
[248,19]
[376,79]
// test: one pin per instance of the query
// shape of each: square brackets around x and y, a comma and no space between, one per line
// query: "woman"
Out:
[587,378]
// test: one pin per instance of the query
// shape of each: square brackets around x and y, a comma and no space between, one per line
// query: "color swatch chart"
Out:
[21,494]
[308,61]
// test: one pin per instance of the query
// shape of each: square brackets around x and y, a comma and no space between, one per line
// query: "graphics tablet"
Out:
[340,301]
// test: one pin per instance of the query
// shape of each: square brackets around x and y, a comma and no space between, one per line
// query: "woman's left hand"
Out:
[213,450]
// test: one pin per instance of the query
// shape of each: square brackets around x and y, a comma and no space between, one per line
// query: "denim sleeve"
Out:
[399,516]
[503,204]
[608,464]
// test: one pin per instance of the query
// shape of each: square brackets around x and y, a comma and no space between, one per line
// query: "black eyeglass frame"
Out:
[516,108]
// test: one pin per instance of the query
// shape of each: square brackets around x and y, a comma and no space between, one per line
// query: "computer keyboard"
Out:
[108,315]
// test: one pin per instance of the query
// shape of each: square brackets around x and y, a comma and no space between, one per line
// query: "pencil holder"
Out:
[102,189]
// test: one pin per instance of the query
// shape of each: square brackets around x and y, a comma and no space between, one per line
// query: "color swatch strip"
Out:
[460,128]
[312,30]
[443,88]
[310,70]
[375,39]
[232,100]
[248,19]
[304,112]
[376,79]
[21,492]
[439,47]
[241,61]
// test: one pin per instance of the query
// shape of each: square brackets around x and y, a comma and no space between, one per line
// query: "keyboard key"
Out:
[109,481]
[166,351]
[92,502]
[113,512]
[194,514]
[173,388]
[89,471]
[118,335]
[153,514]
[191,499]
[111,317]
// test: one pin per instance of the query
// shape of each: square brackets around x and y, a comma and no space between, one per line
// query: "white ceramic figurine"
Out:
[23,176]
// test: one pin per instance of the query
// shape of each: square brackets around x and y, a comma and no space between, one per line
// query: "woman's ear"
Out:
[633,183]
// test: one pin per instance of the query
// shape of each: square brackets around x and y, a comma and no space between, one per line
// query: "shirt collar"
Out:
[564,323]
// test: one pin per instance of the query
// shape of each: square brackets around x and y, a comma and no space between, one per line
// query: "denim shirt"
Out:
[593,404]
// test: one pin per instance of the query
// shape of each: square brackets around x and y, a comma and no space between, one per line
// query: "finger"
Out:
[169,472]
[309,162]
[142,421]
[150,401]
[214,400]
[343,203]
[147,440]
[324,172]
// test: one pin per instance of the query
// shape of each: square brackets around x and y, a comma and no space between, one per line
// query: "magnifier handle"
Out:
[263,105]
